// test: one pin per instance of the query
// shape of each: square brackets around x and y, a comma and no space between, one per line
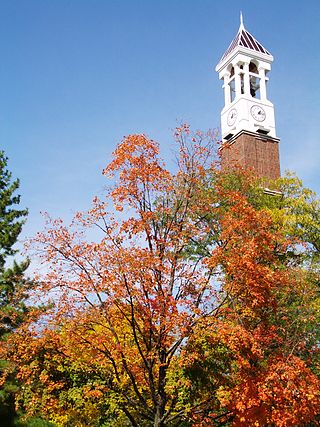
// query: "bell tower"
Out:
[247,118]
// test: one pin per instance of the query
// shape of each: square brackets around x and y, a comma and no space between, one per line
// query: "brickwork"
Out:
[252,151]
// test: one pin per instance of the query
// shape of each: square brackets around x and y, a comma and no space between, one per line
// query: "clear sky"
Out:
[77,75]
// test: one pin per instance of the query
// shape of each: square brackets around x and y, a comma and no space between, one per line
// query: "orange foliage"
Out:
[270,385]
[189,265]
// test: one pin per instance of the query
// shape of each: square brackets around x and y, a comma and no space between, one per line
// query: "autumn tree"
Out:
[267,333]
[181,313]
[135,291]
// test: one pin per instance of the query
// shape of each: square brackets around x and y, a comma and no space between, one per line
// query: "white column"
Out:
[226,87]
[237,80]
[263,90]
[246,78]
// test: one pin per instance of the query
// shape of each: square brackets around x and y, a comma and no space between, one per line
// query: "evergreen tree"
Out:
[13,284]
[11,218]
[12,280]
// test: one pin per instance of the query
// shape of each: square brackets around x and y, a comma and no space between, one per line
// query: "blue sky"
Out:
[78,75]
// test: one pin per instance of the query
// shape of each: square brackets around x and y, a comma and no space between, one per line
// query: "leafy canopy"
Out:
[196,306]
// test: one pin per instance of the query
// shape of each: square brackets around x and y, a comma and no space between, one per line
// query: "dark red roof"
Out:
[245,39]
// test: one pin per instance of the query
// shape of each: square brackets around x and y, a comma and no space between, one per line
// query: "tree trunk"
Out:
[162,396]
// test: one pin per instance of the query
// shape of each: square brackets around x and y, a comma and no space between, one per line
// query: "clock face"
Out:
[258,113]
[232,117]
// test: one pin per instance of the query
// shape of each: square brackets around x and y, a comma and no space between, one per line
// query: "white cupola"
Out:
[243,69]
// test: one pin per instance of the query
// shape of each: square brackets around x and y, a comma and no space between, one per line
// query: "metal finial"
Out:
[241,19]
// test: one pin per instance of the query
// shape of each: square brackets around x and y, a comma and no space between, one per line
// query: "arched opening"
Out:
[232,86]
[241,79]
[254,80]
[253,68]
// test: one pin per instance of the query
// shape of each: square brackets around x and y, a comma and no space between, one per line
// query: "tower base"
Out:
[252,150]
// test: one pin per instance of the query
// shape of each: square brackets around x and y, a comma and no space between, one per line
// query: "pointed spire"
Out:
[246,40]
[241,21]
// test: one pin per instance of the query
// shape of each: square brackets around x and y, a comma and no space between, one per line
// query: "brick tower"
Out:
[247,118]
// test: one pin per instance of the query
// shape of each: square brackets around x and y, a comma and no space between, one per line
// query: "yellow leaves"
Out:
[185,296]
[224,396]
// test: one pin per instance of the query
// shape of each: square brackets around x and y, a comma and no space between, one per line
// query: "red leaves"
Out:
[252,271]
[271,386]
[190,278]
[136,161]
[284,393]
